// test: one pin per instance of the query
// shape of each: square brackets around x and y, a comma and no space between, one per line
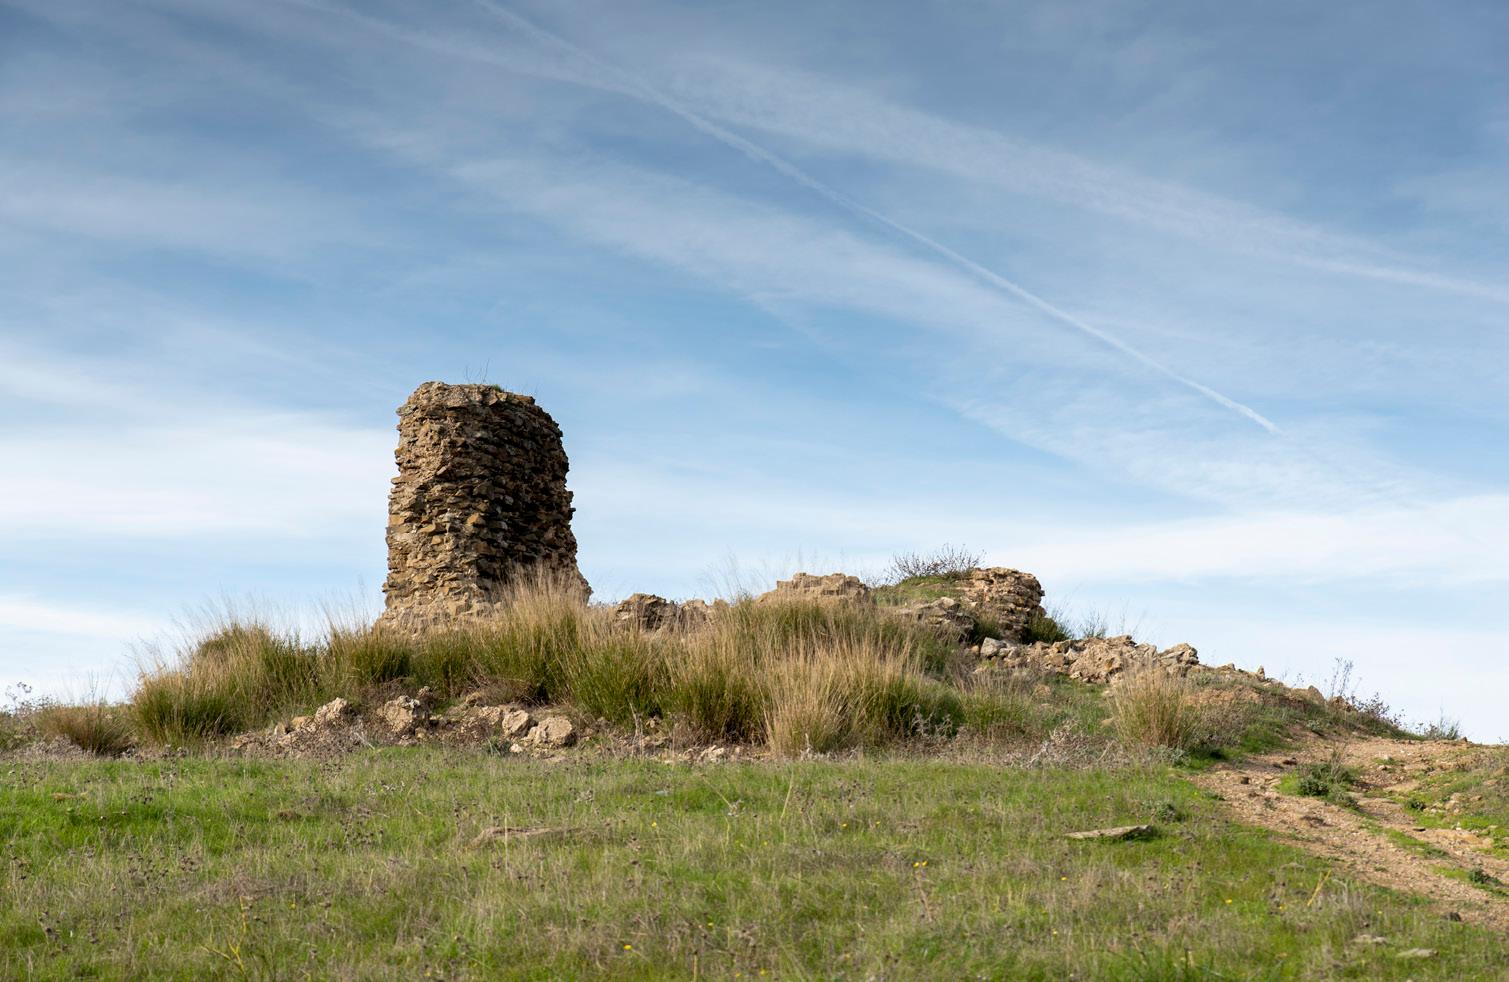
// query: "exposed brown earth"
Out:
[1358,839]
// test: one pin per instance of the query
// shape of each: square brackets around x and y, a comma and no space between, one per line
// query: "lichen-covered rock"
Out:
[1008,597]
[833,588]
[480,498]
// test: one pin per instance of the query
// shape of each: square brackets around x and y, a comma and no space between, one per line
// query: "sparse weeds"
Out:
[1329,779]
[946,562]
[1444,728]
[16,724]
[1373,709]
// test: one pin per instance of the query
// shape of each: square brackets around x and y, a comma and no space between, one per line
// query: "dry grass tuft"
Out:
[97,727]
[1151,708]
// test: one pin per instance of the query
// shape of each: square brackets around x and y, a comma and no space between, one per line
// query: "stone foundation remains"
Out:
[1088,659]
[480,499]
[833,588]
[1009,597]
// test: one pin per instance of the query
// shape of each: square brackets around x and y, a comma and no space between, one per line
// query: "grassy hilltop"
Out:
[789,790]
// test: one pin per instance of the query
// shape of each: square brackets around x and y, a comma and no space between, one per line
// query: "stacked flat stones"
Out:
[480,499]
[1008,596]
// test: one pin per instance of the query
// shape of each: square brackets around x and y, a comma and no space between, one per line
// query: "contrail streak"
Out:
[645,92]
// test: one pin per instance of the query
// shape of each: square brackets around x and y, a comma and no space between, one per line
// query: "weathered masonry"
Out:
[480,499]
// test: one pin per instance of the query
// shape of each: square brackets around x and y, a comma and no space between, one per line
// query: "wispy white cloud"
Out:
[289,475]
[1063,397]
[1451,543]
[648,93]
[824,112]
[22,613]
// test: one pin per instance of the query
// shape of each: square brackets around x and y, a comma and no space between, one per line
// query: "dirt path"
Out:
[1365,841]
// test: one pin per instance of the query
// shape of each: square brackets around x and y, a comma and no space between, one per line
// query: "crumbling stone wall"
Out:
[480,498]
[1008,596]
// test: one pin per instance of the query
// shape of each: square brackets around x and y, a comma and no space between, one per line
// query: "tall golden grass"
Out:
[804,677]
[1152,708]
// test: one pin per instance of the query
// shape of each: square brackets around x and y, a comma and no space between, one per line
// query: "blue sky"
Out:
[1197,311]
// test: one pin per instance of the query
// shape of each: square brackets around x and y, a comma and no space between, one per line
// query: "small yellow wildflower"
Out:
[1228,900]
[628,947]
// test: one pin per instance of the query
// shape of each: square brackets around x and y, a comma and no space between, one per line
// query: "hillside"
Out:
[794,786]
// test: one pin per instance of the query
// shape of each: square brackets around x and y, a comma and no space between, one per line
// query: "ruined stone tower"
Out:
[480,498]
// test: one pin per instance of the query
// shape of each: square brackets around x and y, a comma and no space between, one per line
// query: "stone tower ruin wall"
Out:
[480,499]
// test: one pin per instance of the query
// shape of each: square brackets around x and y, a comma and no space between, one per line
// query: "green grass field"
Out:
[369,866]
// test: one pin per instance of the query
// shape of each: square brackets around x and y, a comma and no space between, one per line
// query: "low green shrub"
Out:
[714,687]
[620,676]
[1044,628]
[176,707]
[1329,779]
[358,658]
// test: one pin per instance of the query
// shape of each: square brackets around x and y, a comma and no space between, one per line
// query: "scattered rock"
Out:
[1089,659]
[401,716]
[501,833]
[1119,833]
[333,713]
[516,723]
[646,611]
[473,722]
[1369,939]
[1417,953]
[553,731]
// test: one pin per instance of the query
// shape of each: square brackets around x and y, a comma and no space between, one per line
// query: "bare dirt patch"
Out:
[1378,840]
